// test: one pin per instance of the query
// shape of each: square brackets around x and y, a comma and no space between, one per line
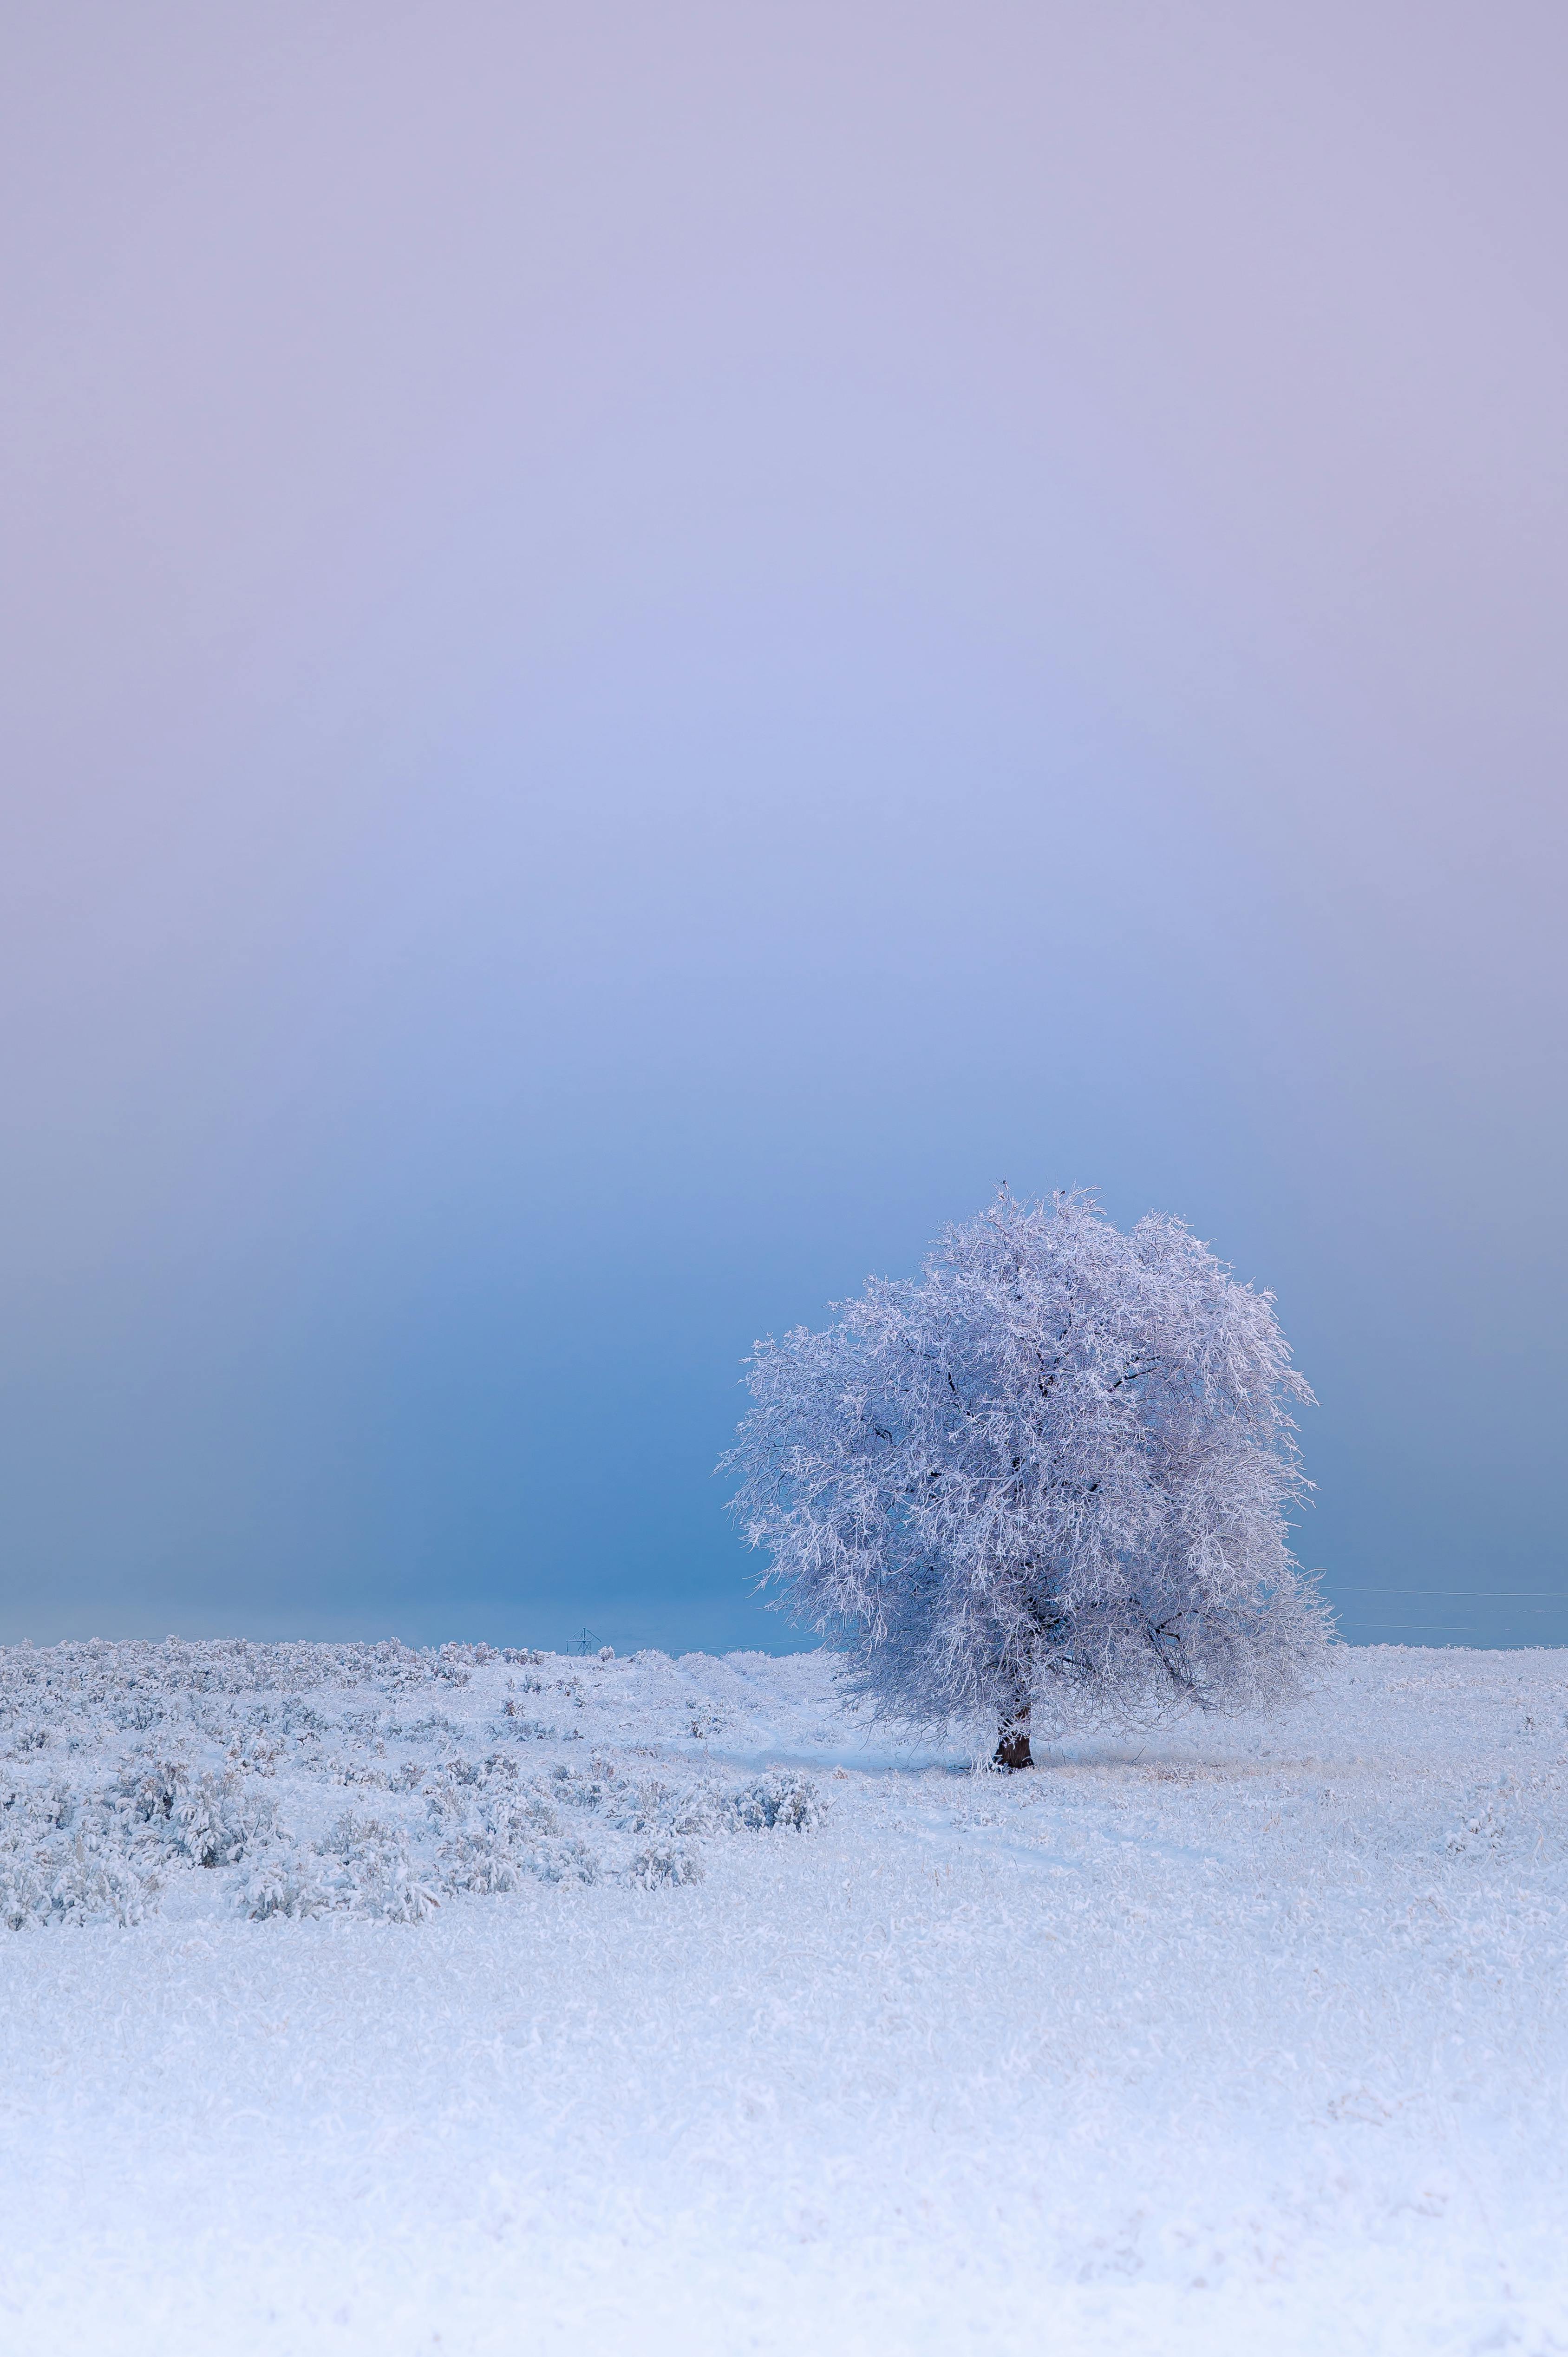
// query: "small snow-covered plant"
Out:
[215,1822]
[362,1868]
[287,1881]
[369,1871]
[665,1862]
[211,1820]
[78,1882]
[778,1797]
[1044,1482]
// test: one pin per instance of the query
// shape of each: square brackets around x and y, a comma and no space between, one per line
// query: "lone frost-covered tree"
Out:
[1044,1482]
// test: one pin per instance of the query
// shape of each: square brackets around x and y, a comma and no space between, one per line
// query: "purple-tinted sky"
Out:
[645,647]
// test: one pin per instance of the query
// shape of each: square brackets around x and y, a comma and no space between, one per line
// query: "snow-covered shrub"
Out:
[363,1867]
[665,1862]
[523,1729]
[288,1880]
[780,1797]
[503,1848]
[218,1820]
[501,1831]
[78,1883]
[434,1723]
[213,1820]
[1049,1477]
[62,1864]
[371,1871]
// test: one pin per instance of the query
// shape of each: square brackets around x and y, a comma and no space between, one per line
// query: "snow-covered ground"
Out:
[652,2006]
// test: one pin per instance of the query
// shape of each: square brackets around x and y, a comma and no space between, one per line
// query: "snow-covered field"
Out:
[652,2006]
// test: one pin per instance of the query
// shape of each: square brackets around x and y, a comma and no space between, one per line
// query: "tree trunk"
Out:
[1013,1750]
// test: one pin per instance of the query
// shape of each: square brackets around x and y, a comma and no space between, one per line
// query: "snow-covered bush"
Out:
[287,1881]
[780,1797]
[664,1862]
[211,1819]
[363,1867]
[1047,1481]
[77,1879]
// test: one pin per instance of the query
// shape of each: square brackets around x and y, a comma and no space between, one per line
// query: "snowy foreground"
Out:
[363,2000]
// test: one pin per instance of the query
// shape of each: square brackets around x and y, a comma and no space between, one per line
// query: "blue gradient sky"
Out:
[645,648]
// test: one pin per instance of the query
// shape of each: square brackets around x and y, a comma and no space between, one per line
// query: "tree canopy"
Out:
[1047,1479]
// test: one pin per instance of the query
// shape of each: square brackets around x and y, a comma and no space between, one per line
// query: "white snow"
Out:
[1251,2038]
